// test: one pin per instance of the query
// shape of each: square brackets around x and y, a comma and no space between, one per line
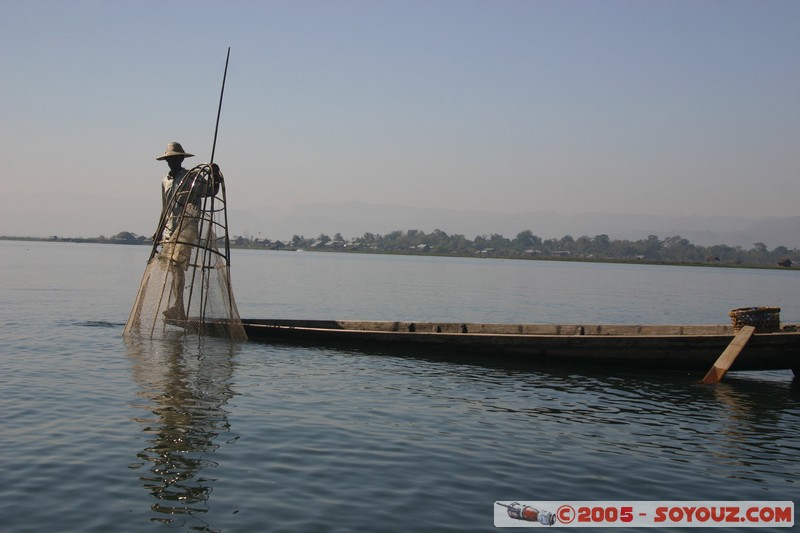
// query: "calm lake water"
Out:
[102,434]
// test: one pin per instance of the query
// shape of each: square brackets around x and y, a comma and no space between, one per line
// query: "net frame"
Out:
[190,254]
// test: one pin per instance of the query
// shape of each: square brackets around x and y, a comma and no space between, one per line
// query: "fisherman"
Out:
[181,198]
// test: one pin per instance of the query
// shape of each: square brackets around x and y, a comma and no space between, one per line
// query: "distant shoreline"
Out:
[565,259]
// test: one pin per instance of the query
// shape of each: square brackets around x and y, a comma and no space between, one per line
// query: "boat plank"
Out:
[728,357]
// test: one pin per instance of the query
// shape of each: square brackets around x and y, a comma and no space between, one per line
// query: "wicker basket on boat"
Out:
[764,319]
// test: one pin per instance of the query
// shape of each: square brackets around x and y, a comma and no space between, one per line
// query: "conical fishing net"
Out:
[186,284]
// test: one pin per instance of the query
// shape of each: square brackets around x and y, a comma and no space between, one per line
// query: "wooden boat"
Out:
[688,347]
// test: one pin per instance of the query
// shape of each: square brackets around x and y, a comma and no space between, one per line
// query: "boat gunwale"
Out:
[683,349]
[486,330]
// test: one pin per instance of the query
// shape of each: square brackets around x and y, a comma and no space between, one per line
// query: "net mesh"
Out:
[186,284]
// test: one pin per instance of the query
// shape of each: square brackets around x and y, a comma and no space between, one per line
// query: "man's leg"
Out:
[176,310]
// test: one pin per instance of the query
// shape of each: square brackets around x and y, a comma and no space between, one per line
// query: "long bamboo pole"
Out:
[219,109]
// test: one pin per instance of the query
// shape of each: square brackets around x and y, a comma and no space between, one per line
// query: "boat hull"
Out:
[693,348]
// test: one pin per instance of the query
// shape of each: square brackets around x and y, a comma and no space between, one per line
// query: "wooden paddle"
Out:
[730,354]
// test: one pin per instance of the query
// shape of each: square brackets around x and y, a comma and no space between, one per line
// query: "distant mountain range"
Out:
[75,215]
[353,219]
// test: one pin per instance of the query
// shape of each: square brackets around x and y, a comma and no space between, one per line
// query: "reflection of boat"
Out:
[690,347]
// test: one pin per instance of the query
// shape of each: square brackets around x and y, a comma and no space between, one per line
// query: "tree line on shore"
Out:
[528,245]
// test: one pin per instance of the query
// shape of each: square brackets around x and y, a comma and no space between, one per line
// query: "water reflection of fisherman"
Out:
[186,392]
[181,195]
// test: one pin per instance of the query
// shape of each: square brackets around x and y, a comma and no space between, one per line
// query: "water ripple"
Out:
[104,435]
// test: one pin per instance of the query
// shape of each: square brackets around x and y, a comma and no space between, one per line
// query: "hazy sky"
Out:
[665,107]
